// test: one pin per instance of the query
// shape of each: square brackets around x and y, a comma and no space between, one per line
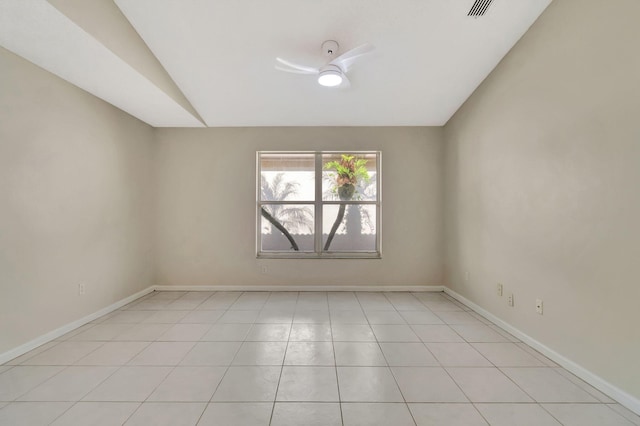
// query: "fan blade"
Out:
[292,70]
[346,84]
[346,60]
[302,69]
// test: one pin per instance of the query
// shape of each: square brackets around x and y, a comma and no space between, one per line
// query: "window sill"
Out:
[336,255]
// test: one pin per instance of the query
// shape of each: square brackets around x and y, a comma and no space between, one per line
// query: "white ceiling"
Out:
[429,57]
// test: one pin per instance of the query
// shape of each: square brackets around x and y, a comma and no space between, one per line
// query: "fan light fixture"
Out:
[330,78]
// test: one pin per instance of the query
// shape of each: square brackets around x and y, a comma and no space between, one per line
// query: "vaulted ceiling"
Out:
[211,63]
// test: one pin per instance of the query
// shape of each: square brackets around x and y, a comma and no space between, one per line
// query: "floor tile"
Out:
[72,333]
[456,317]
[22,358]
[239,317]
[311,300]
[408,355]
[352,333]
[441,305]
[586,415]
[384,317]
[343,301]
[64,353]
[367,384]
[348,317]
[269,333]
[310,333]
[249,384]
[436,334]
[32,413]
[516,414]
[97,414]
[405,302]
[189,384]
[487,385]
[303,384]
[202,317]
[584,386]
[626,413]
[184,333]
[309,353]
[446,415]
[478,333]
[129,384]
[166,414]
[19,380]
[143,332]
[162,353]
[543,359]
[165,317]
[237,413]
[184,304]
[359,354]
[128,317]
[457,355]
[307,414]
[260,353]
[227,333]
[113,353]
[311,317]
[376,414]
[374,302]
[506,355]
[394,333]
[219,302]
[71,384]
[545,385]
[211,354]
[280,316]
[102,332]
[421,317]
[427,384]
[250,300]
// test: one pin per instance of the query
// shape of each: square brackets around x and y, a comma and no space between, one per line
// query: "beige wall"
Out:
[205,211]
[74,185]
[542,187]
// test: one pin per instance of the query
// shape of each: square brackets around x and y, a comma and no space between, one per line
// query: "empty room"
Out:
[319,213]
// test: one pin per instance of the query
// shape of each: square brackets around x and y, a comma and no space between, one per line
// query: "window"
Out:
[318,204]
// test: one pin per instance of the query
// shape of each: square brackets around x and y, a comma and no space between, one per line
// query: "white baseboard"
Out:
[413,288]
[54,334]
[629,401]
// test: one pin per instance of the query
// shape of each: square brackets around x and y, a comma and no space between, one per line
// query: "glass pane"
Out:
[356,229]
[287,227]
[287,177]
[349,176]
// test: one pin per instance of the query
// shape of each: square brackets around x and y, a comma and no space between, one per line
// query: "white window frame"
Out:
[317,205]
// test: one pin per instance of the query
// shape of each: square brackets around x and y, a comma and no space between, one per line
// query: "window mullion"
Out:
[318,204]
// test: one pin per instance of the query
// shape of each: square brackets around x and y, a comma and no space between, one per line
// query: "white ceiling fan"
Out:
[334,73]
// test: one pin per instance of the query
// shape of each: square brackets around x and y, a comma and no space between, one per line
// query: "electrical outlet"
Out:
[81,289]
[499,289]
[466,275]
[539,306]
[510,300]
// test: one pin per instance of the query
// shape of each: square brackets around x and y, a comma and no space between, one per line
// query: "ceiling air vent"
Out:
[479,8]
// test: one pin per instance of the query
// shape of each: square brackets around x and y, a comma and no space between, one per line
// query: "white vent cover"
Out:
[479,8]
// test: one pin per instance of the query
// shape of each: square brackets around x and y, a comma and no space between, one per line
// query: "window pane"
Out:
[355,232]
[287,177]
[349,177]
[296,219]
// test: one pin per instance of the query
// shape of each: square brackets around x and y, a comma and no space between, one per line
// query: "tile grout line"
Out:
[284,357]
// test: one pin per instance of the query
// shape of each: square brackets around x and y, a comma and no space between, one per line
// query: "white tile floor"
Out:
[288,358]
